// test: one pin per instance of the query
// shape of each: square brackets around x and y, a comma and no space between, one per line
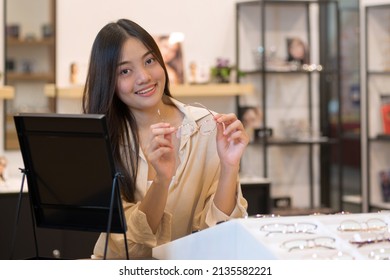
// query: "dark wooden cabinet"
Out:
[258,196]
[70,244]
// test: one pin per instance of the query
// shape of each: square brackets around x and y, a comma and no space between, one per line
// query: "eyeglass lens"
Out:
[184,130]
[371,224]
[365,238]
[301,244]
[289,228]
[380,254]
[206,127]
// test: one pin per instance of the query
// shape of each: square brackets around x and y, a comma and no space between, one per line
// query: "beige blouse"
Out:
[190,205]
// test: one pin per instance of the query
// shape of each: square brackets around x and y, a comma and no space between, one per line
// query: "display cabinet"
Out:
[350,195]
[30,60]
[377,104]
[17,239]
[279,51]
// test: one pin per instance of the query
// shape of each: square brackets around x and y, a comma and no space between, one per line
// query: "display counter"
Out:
[333,236]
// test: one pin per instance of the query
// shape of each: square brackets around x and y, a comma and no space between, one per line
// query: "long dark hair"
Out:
[99,95]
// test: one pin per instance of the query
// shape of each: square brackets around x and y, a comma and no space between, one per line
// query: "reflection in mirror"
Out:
[30,60]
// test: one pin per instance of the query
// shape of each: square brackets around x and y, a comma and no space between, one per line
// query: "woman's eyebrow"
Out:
[148,53]
[129,62]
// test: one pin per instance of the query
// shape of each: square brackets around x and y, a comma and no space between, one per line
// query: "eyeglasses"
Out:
[288,228]
[303,244]
[369,225]
[206,127]
[369,238]
[380,254]
[262,216]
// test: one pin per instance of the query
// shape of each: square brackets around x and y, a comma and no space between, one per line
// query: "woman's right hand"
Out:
[160,151]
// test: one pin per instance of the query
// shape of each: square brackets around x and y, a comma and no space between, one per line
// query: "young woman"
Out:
[180,163]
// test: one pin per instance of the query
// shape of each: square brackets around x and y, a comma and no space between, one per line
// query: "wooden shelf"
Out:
[7,92]
[380,205]
[16,76]
[176,90]
[228,89]
[381,137]
[37,42]
[299,141]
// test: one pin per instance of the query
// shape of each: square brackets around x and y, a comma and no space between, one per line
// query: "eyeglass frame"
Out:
[289,225]
[379,238]
[376,254]
[202,124]
[339,228]
[307,241]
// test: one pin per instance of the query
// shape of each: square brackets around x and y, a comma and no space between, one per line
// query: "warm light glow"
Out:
[176,37]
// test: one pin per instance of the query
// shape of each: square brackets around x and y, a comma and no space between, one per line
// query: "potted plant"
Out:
[221,72]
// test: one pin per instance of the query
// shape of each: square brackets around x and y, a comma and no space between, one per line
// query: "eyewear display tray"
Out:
[325,237]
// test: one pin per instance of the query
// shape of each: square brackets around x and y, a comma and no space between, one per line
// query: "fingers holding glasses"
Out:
[161,129]
[161,139]
[232,128]
[160,150]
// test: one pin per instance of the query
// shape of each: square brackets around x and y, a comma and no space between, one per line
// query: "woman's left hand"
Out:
[232,138]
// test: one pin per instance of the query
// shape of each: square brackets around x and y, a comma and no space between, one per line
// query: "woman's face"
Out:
[140,78]
[168,50]
[297,49]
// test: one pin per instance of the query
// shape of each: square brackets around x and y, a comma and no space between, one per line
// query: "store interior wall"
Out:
[208,27]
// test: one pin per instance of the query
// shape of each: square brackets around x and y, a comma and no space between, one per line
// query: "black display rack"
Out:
[324,76]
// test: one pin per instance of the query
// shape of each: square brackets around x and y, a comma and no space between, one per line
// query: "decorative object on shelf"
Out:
[74,71]
[258,56]
[384,179]
[199,73]
[385,112]
[261,133]
[311,67]
[3,166]
[222,70]
[30,37]
[297,52]
[252,119]
[13,31]
[47,31]
[171,51]
[294,128]
[354,95]
[27,66]
[193,73]
[10,64]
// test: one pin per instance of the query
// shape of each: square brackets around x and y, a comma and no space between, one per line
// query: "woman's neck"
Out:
[161,113]
[145,118]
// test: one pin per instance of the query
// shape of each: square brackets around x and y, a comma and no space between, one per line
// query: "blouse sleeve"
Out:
[140,238]
[215,215]
[208,214]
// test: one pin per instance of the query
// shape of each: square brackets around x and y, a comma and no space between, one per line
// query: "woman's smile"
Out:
[147,91]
